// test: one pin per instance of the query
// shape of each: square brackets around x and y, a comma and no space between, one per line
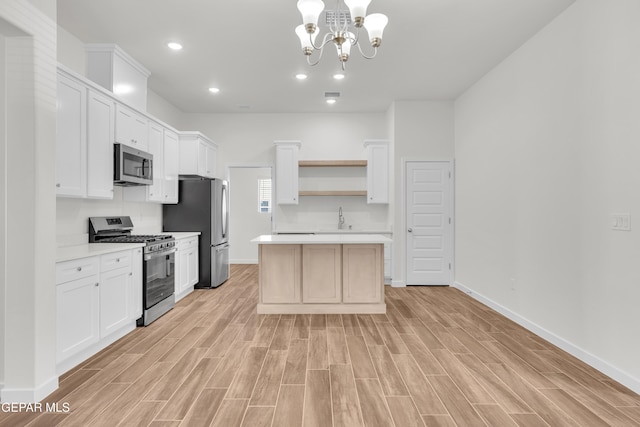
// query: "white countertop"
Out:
[335,231]
[68,253]
[180,234]
[304,239]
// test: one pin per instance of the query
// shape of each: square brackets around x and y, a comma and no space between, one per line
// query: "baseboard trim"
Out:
[243,261]
[29,395]
[398,284]
[606,368]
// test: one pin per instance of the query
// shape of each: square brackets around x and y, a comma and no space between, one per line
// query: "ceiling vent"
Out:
[332,94]
[331,15]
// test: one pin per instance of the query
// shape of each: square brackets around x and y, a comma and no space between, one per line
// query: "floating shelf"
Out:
[332,163]
[333,193]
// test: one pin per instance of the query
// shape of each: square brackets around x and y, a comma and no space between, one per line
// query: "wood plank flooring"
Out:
[437,358]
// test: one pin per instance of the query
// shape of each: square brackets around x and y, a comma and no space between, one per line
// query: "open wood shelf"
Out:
[332,163]
[333,193]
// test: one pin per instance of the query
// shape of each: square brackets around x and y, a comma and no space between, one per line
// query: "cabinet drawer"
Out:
[76,269]
[115,260]
[187,243]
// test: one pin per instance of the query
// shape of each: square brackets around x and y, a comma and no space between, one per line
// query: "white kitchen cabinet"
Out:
[71,140]
[115,299]
[131,128]
[135,311]
[100,135]
[171,167]
[98,300]
[287,154]
[377,171]
[154,192]
[77,307]
[186,266]
[198,155]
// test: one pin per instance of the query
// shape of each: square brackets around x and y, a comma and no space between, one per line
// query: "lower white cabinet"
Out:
[98,300]
[186,268]
[78,314]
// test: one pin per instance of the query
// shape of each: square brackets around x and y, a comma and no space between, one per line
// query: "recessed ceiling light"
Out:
[301,76]
[174,46]
[338,76]
[214,90]
[331,101]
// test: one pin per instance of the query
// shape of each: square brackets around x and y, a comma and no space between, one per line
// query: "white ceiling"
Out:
[432,49]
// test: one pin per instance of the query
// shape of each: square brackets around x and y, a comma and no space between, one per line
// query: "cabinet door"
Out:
[131,128]
[171,167]
[156,147]
[100,136]
[71,138]
[321,273]
[135,311]
[378,173]
[362,273]
[280,273]
[115,299]
[182,270]
[287,174]
[77,316]
[206,160]
[192,267]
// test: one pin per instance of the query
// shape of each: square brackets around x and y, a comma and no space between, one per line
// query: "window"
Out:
[264,194]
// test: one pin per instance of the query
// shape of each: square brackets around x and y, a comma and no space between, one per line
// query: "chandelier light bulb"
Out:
[306,39]
[358,10]
[375,24]
[344,48]
[310,11]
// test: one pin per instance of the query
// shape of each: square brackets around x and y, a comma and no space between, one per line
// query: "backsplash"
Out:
[72,216]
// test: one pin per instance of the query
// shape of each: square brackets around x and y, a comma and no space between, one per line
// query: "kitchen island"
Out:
[321,273]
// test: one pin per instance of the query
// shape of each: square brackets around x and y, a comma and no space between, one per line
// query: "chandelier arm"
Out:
[313,64]
[326,39]
[375,52]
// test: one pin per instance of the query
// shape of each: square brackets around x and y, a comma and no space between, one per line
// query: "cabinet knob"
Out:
[117,259]
[410,230]
[151,194]
[97,284]
[131,274]
[58,185]
[79,269]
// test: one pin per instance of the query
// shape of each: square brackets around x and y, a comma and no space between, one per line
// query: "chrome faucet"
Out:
[340,218]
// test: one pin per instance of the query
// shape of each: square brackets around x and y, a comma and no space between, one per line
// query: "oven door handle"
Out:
[153,255]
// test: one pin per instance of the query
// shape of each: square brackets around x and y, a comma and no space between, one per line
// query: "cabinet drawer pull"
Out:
[131,274]
[58,185]
[79,269]
[117,259]
[97,284]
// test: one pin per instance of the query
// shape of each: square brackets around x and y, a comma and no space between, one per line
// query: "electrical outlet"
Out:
[621,222]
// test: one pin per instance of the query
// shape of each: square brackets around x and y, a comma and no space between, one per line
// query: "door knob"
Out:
[410,230]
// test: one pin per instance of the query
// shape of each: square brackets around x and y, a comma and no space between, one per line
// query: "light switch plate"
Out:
[621,222]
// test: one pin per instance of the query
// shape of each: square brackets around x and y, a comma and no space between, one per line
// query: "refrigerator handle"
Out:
[223,203]
[222,247]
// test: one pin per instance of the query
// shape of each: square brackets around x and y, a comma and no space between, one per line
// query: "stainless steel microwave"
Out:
[132,166]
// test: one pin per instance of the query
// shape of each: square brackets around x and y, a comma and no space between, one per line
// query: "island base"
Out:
[322,308]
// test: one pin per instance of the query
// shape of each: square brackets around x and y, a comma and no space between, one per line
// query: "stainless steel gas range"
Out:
[158,262]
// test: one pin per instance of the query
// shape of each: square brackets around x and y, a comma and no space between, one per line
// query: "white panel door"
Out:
[429,235]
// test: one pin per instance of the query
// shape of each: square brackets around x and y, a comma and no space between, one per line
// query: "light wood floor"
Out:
[437,358]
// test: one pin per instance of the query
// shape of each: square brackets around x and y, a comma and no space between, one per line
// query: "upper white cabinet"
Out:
[100,133]
[84,140]
[71,140]
[156,148]
[198,155]
[131,128]
[377,171]
[115,70]
[171,168]
[287,154]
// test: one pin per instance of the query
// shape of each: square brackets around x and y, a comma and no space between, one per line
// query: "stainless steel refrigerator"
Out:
[203,206]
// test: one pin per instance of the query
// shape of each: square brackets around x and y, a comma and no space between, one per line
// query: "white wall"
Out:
[28,229]
[245,220]
[422,130]
[546,150]
[250,137]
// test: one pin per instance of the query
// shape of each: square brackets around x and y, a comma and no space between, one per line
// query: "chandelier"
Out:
[341,33]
